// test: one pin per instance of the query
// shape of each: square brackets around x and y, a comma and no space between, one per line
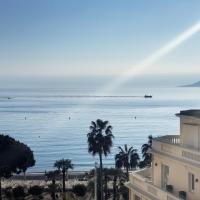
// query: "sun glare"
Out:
[151,59]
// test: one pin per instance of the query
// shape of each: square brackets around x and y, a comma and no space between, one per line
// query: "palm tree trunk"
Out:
[0,190]
[127,173]
[100,174]
[64,181]
[53,189]
[114,188]
[106,187]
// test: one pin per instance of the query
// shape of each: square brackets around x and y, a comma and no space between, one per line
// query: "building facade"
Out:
[175,170]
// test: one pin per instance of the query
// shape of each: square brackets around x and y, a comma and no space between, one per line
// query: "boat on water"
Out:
[147,96]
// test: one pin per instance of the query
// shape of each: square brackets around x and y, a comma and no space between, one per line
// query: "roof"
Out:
[190,113]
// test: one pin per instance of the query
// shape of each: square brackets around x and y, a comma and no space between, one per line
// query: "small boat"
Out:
[147,96]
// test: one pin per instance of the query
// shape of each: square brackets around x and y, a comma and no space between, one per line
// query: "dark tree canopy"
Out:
[15,157]
[127,158]
[63,165]
[100,137]
[52,175]
[146,155]
[79,190]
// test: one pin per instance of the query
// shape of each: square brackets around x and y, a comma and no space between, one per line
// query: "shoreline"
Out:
[41,175]
[39,178]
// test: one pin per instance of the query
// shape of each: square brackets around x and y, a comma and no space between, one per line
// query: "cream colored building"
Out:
[175,165]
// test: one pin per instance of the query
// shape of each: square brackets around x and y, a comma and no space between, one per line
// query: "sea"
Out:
[54,121]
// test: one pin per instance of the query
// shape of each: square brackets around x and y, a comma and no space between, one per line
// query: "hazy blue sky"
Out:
[89,37]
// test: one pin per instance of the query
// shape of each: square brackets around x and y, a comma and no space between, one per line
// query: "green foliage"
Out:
[127,158]
[41,197]
[147,157]
[100,142]
[18,192]
[79,190]
[52,175]
[90,185]
[8,192]
[111,172]
[36,190]
[15,156]
[68,196]
[100,137]
[142,164]
[124,192]
[63,165]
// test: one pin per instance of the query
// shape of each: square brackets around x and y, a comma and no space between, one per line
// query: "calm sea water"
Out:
[54,122]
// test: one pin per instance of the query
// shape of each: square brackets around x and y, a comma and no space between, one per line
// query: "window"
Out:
[191,182]
[164,175]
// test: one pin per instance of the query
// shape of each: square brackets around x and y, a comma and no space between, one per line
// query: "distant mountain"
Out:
[196,84]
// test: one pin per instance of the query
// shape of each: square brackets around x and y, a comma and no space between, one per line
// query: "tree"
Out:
[27,160]
[100,142]
[52,175]
[127,158]
[106,179]
[112,174]
[91,189]
[63,166]
[79,190]
[15,157]
[147,157]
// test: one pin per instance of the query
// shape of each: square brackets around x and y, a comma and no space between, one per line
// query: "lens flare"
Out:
[151,59]
[133,71]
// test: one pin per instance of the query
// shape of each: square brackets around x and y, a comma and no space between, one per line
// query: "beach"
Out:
[31,179]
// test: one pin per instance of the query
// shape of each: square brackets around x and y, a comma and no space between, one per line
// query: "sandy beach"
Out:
[39,178]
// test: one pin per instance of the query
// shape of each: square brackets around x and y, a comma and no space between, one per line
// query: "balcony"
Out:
[171,139]
[170,145]
[141,182]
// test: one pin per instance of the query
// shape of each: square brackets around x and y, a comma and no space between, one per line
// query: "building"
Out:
[175,171]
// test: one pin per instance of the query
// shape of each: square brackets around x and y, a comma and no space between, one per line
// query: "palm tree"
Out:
[100,142]
[127,158]
[147,158]
[52,175]
[106,179]
[134,160]
[63,166]
[91,189]
[113,174]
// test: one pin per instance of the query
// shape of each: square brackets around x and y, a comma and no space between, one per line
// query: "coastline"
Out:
[41,175]
[39,178]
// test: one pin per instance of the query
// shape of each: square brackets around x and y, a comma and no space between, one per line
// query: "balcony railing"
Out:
[141,182]
[171,139]
[170,145]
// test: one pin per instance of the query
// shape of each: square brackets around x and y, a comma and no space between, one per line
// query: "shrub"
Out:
[40,197]
[36,190]
[18,192]
[124,192]
[91,186]
[8,192]
[79,190]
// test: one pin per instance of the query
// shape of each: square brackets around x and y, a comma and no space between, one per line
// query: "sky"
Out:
[89,37]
